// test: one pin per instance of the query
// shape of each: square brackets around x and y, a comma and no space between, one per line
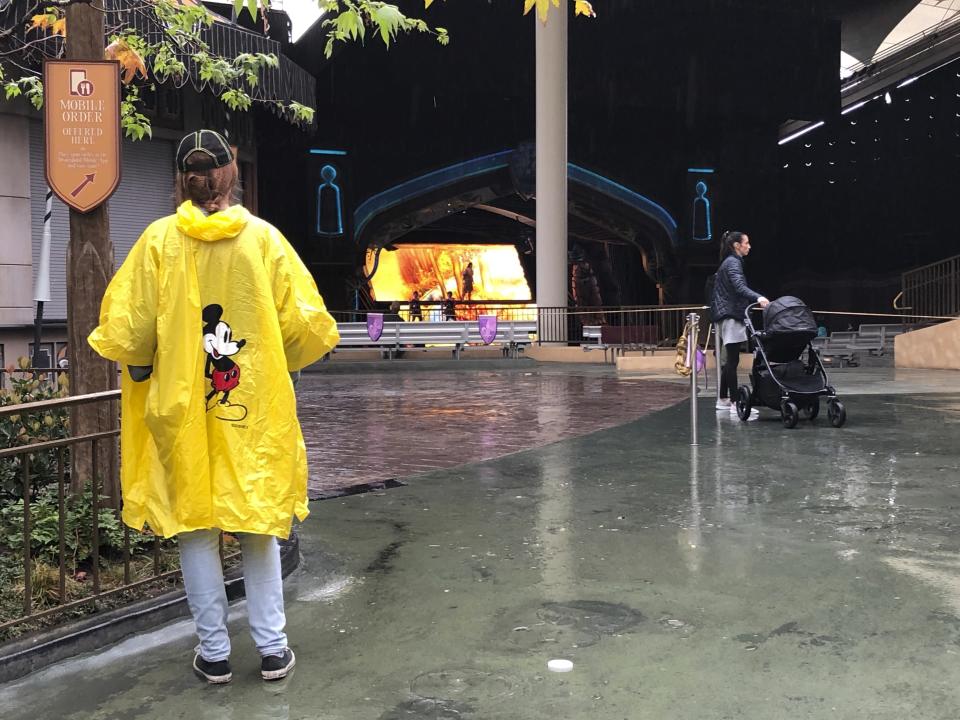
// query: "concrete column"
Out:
[551,72]
[16,262]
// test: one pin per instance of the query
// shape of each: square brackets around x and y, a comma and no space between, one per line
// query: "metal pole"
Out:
[694,320]
[716,355]
[41,291]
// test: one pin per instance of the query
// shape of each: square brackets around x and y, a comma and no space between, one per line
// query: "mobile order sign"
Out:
[82,117]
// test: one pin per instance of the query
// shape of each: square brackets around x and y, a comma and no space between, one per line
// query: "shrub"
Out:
[29,428]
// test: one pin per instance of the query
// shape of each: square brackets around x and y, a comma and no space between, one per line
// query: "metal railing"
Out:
[34,463]
[49,376]
[933,289]
[432,311]
[646,325]
[935,32]
[623,327]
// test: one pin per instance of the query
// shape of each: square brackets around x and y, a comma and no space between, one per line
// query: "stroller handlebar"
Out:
[746,317]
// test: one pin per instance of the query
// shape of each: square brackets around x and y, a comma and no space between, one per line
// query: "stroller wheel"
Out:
[744,403]
[837,413]
[812,410]
[790,414]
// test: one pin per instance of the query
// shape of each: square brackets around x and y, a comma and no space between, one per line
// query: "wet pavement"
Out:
[767,574]
[372,427]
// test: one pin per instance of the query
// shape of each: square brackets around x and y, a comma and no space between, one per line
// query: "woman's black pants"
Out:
[730,361]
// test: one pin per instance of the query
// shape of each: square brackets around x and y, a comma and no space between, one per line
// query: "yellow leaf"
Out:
[130,61]
[39,22]
[543,7]
[60,27]
[585,8]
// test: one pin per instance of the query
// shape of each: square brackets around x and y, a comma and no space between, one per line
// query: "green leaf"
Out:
[349,25]
[301,113]
[389,20]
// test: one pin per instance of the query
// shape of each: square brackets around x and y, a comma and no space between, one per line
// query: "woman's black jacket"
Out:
[731,295]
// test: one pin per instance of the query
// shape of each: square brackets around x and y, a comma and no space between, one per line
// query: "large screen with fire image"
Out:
[470,272]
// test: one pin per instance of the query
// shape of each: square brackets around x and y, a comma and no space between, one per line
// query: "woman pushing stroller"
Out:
[731,297]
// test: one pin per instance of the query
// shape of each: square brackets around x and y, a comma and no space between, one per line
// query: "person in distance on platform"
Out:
[449,307]
[416,311]
[208,315]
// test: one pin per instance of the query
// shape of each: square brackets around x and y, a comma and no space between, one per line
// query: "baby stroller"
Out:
[780,377]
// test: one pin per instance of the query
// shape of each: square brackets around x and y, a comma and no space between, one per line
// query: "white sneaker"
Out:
[726,405]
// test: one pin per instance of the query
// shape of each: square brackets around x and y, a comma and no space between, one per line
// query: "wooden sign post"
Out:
[82,113]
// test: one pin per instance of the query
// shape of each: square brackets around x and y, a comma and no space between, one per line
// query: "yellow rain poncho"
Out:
[222,308]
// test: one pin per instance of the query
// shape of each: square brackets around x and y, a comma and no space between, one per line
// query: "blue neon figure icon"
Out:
[329,205]
[702,222]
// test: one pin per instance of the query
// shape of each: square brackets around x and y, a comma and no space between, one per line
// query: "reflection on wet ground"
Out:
[366,429]
[766,574]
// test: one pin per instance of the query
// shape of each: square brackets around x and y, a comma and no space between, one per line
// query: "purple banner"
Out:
[374,325]
[488,328]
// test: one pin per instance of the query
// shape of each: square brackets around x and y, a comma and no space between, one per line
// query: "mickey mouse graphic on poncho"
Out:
[224,373]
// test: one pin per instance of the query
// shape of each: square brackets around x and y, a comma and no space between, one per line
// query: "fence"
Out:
[655,325]
[933,289]
[40,473]
[432,311]
[50,376]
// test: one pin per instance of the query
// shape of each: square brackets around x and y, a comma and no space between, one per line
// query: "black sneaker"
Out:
[215,673]
[277,667]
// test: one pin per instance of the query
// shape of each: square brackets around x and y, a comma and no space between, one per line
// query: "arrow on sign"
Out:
[87,179]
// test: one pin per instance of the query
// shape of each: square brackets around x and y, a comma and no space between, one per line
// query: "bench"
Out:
[593,335]
[875,339]
[512,335]
[630,337]
[843,354]
[354,335]
[618,339]
[881,336]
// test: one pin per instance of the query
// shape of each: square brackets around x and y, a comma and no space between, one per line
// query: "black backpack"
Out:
[708,295]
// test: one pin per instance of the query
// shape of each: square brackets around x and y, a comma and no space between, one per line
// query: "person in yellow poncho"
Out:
[208,316]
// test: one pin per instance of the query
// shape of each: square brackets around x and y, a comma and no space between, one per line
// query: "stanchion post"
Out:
[717,356]
[693,321]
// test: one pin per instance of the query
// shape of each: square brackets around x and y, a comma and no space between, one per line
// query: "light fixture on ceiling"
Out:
[801,133]
[854,107]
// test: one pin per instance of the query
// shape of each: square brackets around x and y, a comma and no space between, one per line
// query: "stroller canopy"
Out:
[788,316]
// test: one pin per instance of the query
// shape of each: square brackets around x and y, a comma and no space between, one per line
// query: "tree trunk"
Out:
[89,269]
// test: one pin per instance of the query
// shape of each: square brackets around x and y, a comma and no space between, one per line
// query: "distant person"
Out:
[393,314]
[416,311]
[731,296]
[467,277]
[449,307]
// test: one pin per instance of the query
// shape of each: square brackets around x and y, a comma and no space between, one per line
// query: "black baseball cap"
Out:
[210,144]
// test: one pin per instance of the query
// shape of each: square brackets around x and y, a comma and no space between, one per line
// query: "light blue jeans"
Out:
[207,597]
